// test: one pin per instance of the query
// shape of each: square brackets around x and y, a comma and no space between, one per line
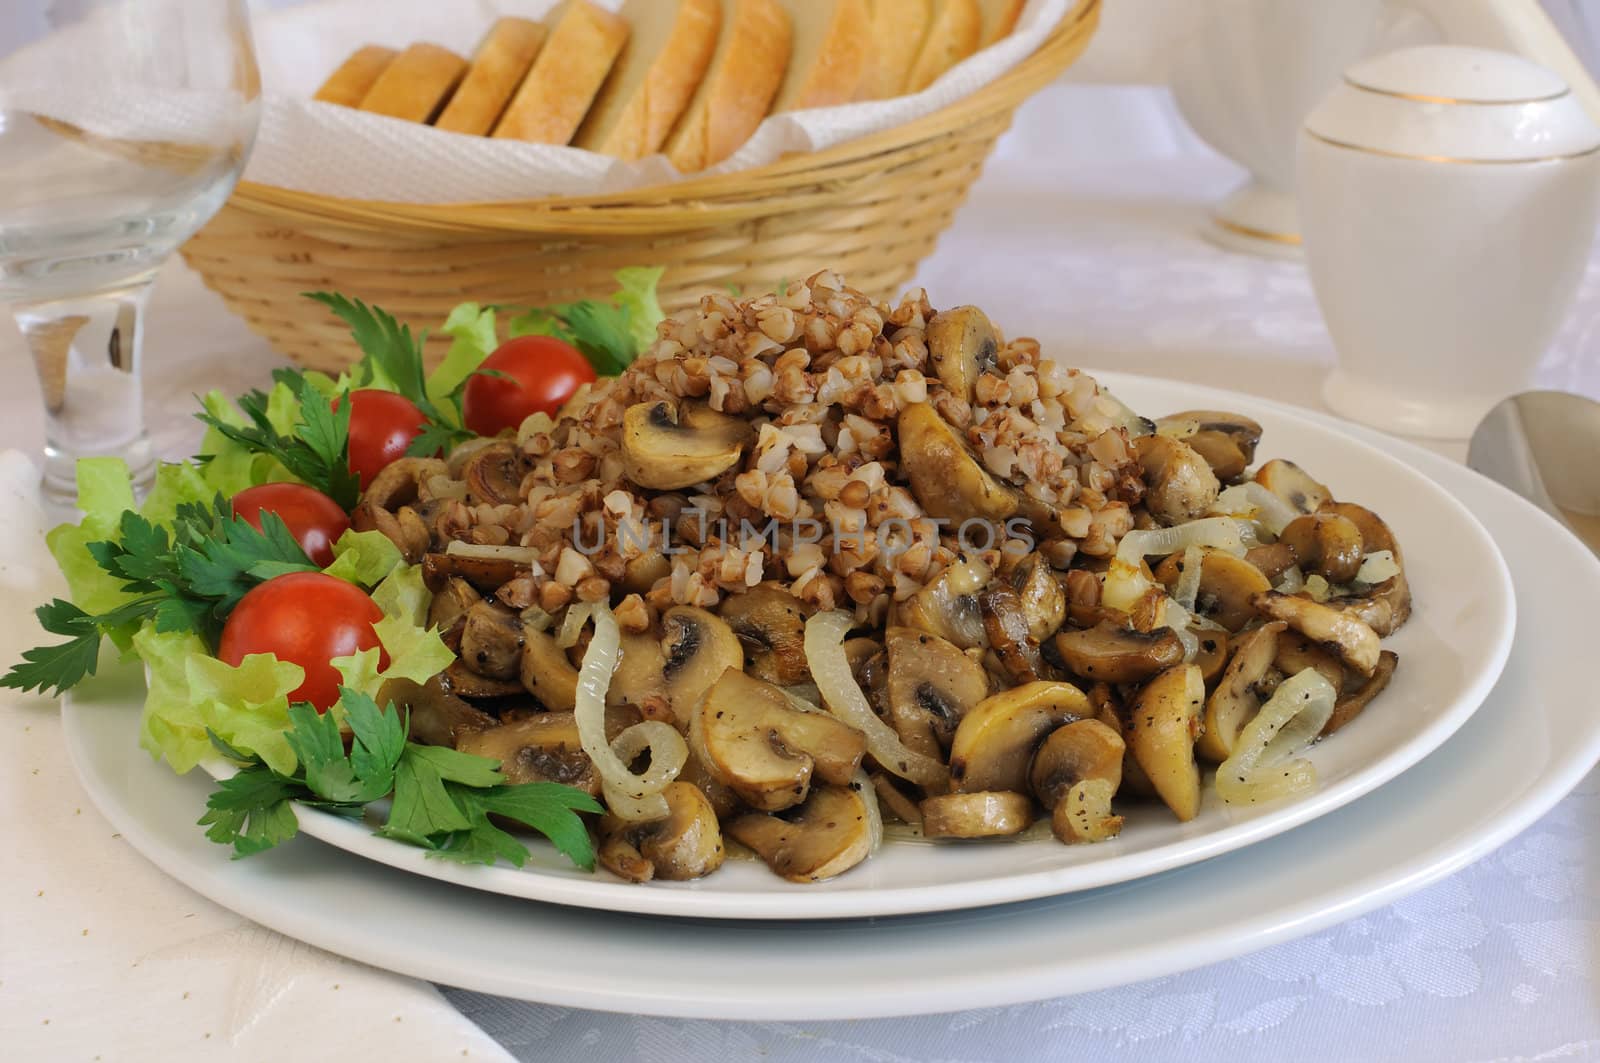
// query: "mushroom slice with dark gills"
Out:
[547,673]
[1384,608]
[771,623]
[667,447]
[1294,485]
[437,718]
[1163,723]
[931,685]
[494,474]
[492,639]
[984,814]
[640,679]
[1326,543]
[448,610]
[948,607]
[387,505]
[698,647]
[463,682]
[1351,705]
[1044,603]
[1353,638]
[685,845]
[1006,627]
[996,740]
[1228,586]
[961,345]
[485,573]
[1227,441]
[544,747]
[1115,653]
[1180,486]
[827,835]
[1074,774]
[1244,685]
[944,473]
[761,744]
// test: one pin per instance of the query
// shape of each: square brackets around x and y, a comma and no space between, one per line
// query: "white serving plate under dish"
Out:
[1451,652]
[1535,737]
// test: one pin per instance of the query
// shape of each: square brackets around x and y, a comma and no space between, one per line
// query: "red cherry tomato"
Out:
[382,426]
[314,519]
[308,618]
[541,373]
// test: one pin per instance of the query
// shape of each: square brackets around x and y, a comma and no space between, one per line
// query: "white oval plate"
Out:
[1532,741]
[1451,652]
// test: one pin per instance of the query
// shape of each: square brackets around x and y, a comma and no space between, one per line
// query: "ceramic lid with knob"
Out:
[1443,103]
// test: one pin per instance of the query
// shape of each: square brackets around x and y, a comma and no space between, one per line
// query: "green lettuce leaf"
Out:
[364,558]
[415,651]
[229,467]
[171,727]
[105,490]
[474,338]
[637,299]
[248,705]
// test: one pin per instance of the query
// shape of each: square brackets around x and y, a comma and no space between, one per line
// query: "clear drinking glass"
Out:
[123,127]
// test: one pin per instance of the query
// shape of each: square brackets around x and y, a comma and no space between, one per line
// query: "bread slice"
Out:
[417,84]
[664,62]
[497,69]
[347,85]
[999,19]
[897,29]
[831,54]
[954,34]
[752,54]
[566,77]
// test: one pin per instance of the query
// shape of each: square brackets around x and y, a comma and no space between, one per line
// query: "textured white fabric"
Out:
[1102,262]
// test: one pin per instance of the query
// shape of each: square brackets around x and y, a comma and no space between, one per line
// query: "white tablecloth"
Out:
[102,957]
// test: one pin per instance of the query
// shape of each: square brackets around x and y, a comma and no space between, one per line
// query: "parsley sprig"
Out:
[442,798]
[318,452]
[189,580]
[391,357]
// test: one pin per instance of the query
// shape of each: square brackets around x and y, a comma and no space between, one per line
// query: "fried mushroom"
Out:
[698,647]
[1353,638]
[1228,586]
[1294,485]
[771,623]
[1227,441]
[1163,723]
[930,687]
[1074,774]
[492,639]
[945,475]
[961,346]
[687,844]
[1244,685]
[1180,484]
[1114,653]
[995,742]
[825,836]
[1327,543]
[983,814]
[666,447]
[437,718]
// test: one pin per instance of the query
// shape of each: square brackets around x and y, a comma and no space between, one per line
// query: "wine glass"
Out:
[124,125]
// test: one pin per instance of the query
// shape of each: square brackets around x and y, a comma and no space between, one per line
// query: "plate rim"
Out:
[232,885]
[704,900]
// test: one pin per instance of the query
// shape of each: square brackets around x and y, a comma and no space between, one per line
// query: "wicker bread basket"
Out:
[871,208]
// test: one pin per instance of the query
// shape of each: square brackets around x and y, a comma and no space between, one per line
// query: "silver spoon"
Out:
[1545,446]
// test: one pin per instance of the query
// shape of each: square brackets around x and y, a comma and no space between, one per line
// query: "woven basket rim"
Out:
[711,200]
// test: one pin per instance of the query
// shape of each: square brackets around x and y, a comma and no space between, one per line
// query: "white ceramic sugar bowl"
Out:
[1448,199]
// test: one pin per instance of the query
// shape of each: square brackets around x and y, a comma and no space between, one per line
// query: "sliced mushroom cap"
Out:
[1114,653]
[771,623]
[1109,711]
[1294,485]
[639,574]
[699,647]
[1353,638]
[1351,705]
[982,814]
[1227,441]
[1212,655]
[826,836]
[1384,608]
[945,475]
[405,528]
[685,845]
[1084,815]
[930,686]
[491,641]
[543,747]
[451,602]
[1163,724]
[1273,559]
[961,346]
[399,483]
[948,607]
[1296,653]
[1228,586]
[484,573]
[996,740]
[1044,603]
[463,682]
[1181,486]
[1073,752]
[751,737]
[494,474]
[667,447]
[894,802]
[437,718]
[1006,627]
[547,673]
[1325,543]
[1240,692]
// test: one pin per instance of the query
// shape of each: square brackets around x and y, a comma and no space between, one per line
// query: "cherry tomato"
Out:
[308,618]
[382,426]
[314,519]
[541,373]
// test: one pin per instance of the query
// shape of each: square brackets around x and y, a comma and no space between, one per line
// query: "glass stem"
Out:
[87,351]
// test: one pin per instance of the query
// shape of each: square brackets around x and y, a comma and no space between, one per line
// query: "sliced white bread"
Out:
[999,19]
[355,76]
[665,60]
[417,84]
[737,91]
[897,29]
[832,48]
[502,61]
[564,80]
[954,33]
